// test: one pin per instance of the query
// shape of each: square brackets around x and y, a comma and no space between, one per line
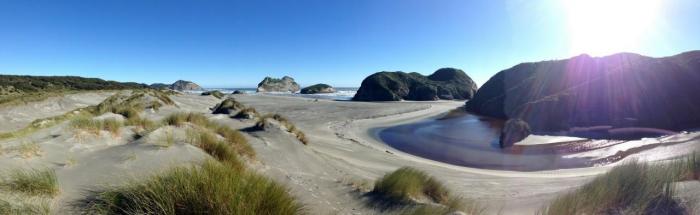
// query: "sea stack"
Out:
[445,83]
[286,84]
[318,88]
[182,85]
[618,91]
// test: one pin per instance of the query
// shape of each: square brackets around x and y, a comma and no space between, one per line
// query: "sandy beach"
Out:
[330,175]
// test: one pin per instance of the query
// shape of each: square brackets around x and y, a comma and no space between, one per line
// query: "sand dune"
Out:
[329,175]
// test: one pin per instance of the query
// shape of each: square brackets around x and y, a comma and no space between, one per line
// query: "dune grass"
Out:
[95,126]
[262,123]
[407,187]
[406,184]
[213,188]
[232,139]
[25,205]
[246,113]
[631,188]
[129,107]
[31,182]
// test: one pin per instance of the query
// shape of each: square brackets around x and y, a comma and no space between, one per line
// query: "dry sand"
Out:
[328,176]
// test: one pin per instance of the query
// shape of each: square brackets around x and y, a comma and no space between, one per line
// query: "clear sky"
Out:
[339,42]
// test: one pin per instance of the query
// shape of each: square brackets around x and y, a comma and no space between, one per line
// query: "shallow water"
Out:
[472,141]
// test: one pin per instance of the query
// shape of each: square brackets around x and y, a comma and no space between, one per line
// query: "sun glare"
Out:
[601,27]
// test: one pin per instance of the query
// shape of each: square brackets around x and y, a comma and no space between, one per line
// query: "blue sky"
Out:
[237,43]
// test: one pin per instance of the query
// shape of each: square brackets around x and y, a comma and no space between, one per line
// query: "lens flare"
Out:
[601,27]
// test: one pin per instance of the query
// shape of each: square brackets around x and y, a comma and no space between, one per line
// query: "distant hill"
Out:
[20,86]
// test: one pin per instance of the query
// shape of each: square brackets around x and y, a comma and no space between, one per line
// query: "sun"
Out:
[602,27]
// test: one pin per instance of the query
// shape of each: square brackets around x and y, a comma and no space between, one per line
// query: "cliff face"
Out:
[286,84]
[622,90]
[446,83]
[181,85]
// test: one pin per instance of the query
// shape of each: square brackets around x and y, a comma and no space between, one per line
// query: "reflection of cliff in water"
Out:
[472,141]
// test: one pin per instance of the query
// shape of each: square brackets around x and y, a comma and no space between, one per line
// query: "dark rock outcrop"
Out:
[286,84]
[513,131]
[238,92]
[445,83]
[181,85]
[620,91]
[318,88]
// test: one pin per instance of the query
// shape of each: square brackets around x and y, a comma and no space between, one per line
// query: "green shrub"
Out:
[31,182]
[213,188]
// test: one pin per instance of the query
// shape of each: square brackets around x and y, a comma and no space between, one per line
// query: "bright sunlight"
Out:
[601,27]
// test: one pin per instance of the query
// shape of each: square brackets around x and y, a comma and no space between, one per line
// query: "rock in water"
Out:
[181,85]
[318,88]
[513,131]
[286,84]
[621,90]
[445,83]
[238,92]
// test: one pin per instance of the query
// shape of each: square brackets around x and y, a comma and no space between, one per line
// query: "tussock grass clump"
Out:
[179,119]
[31,182]
[246,113]
[25,206]
[95,126]
[406,184]
[215,93]
[228,106]
[263,123]
[213,188]
[233,139]
[631,188]
[236,140]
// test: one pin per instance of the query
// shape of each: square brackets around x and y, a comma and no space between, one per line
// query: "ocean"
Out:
[342,93]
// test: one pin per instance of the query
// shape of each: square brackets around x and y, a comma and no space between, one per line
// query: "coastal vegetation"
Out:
[213,188]
[631,188]
[418,193]
[263,123]
[17,89]
[219,186]
[27,191]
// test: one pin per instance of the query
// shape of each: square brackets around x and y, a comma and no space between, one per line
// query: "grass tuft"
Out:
[631,188]
[407,184]
[213,188]
[95,126]
[25,205]
[32,182]
[246,113]
[263,123]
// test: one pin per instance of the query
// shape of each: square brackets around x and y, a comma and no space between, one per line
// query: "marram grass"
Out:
[213,188]
[31,182]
